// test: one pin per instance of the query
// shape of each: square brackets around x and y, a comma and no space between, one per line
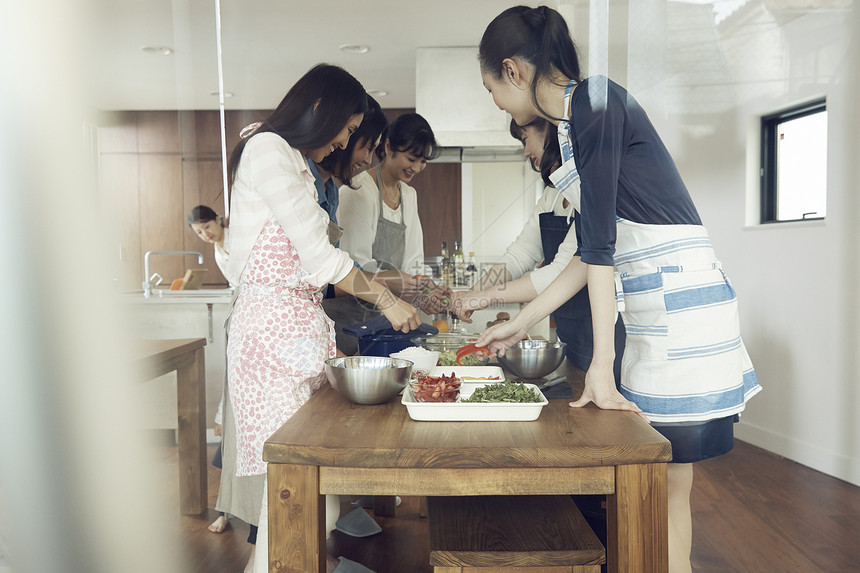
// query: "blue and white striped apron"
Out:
[684,360]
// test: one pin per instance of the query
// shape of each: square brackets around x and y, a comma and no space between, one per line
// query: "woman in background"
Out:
[212,228]
[542,250]
[341,165]
[281,257]
[644,252]
[381,228]
[238,496]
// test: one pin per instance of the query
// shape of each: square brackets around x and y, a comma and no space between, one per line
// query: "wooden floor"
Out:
[753,512]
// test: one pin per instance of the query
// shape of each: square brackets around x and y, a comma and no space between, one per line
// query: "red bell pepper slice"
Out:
[470,349]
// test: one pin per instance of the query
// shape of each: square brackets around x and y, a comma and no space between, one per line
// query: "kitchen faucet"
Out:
[147,278]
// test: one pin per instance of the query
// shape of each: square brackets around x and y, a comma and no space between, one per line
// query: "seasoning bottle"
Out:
[446,267]
[471,270]
[459,261]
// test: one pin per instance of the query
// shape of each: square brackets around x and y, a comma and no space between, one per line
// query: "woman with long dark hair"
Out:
[381,227]
[281,258]
[643,252]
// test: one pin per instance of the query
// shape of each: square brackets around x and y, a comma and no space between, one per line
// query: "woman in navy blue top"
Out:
[643,252]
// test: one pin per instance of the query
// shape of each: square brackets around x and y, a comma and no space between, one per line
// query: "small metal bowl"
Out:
[533,358]
[368,379]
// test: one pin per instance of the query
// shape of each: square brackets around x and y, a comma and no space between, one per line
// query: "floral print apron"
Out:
[279,340]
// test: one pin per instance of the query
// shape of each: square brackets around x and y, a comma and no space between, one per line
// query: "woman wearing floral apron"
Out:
[281,258]
[644,253]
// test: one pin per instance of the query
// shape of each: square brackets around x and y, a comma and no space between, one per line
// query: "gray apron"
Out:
[389,247]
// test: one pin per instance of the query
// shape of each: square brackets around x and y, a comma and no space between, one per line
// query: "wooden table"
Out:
[153,358]
[331,446]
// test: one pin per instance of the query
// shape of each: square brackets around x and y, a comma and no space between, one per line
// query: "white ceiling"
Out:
[689,55]
[266,46]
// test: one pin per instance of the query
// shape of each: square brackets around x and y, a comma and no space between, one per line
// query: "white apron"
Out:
[684,360]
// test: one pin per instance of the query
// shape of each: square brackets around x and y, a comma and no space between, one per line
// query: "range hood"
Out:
[466,122]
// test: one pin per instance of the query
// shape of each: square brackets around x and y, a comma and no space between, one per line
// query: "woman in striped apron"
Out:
[643,253]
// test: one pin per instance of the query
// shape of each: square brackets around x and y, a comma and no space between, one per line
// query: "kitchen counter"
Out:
[195,314]
[214,296]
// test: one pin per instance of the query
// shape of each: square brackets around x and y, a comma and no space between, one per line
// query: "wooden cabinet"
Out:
[155,166]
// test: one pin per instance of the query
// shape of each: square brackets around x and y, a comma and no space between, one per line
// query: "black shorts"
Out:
[697,441]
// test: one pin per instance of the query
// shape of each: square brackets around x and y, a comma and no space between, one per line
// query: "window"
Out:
[794,163]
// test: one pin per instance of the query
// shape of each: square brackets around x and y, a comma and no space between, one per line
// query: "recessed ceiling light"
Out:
[355,48]
[226,94]
[377,93]
[157,50]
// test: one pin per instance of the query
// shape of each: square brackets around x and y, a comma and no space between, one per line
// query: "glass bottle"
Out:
[471,270]
[446,270]
[459,261]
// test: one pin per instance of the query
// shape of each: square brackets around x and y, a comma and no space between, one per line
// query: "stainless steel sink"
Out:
[199,293]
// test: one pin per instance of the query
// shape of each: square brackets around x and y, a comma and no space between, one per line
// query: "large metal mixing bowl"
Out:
[533,358]
[368,379]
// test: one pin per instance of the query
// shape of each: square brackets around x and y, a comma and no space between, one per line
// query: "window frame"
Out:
[768,169]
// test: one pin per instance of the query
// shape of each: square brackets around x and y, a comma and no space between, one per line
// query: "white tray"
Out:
[466,412]
[474,371]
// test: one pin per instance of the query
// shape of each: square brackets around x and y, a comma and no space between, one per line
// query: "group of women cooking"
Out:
[617,222]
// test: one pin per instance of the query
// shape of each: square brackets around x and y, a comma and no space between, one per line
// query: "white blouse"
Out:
[222,255]
[273,180]
[358,213]
[526,252]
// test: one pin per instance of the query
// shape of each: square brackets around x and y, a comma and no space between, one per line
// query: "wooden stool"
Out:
[511,534]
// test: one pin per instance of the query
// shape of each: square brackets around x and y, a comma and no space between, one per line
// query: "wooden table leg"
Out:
[191,407]
[637,520]
[384,505]
[296,519]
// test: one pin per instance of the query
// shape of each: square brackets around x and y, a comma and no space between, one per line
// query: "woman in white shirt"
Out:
[281,258]
[212,228]
[379,212]
[381,228]
[548,237]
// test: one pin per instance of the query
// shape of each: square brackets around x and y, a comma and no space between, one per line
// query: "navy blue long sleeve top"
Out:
[625,169]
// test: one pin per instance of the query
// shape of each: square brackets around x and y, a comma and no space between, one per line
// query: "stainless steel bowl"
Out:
[368,379]
[533,358]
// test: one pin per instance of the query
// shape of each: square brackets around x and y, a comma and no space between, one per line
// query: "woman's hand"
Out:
[402,315]
[464,303]
[600,389]
[502,336]
[435,299]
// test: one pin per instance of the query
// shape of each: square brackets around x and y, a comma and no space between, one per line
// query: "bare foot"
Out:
[219,525]
[249,566]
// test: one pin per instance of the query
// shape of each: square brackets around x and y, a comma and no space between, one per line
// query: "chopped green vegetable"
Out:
[449,358]
[506,391]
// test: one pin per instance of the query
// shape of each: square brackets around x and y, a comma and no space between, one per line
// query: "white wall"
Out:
[797,283]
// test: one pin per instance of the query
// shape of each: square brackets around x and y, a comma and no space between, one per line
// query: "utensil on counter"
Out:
[368,379]
[533,358]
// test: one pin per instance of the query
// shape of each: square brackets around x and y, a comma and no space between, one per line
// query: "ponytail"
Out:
[539,36]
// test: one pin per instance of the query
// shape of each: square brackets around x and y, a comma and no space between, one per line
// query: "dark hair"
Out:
[551,158]
[339,162]
[539,36]
[312,113]
[203,214]
[410,133]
